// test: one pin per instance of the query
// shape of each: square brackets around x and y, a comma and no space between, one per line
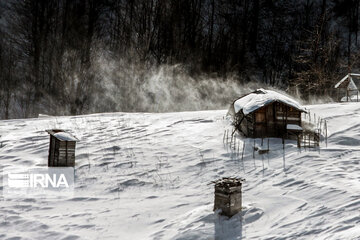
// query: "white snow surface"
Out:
[146,176]
[64,136]
[254,101]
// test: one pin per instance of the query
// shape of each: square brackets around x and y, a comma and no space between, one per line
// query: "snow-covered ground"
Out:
[146,176]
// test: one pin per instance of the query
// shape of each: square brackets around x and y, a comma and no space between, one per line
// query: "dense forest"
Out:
[81,56]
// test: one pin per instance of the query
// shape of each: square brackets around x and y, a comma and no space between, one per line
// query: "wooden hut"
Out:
[228,196]
[347,90]
[61,148]
[266,113]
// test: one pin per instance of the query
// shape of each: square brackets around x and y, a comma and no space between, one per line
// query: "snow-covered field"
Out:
[146,176]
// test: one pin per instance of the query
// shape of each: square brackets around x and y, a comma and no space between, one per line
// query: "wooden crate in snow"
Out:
[228,196]
[61,148]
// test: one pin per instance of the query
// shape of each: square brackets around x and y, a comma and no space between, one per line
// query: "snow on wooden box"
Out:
[228,196]
[61,148]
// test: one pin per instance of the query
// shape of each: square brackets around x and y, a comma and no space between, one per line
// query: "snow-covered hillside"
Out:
[146,176]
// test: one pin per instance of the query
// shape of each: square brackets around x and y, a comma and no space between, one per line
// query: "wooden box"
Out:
[61,148]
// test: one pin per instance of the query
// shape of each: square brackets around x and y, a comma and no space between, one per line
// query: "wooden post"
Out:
[314,141]
[227,136]
[234,143]
[321,120]
[298,141]
[254,150]
[319,142]
[242,154]
[283,153]
[326,132]
[263,165]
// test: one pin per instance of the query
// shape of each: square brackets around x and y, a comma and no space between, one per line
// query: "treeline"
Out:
[51,51]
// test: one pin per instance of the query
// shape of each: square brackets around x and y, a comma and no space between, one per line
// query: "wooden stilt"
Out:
[254,150]
[242,153]
[326,132]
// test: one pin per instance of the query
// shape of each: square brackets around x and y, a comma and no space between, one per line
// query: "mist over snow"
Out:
[128,86]
[131,87]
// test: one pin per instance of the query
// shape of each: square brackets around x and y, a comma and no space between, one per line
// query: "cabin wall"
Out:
[286,115]
[260,123]
[270,121]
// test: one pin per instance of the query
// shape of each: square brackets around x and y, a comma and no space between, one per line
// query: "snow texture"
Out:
[146,176]
[260,98]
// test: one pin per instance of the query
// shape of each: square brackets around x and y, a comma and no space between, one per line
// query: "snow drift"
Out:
[146,176]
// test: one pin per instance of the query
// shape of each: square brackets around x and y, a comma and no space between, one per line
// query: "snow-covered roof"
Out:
[61,135]
[64,136]
[262,97]
[349,81]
